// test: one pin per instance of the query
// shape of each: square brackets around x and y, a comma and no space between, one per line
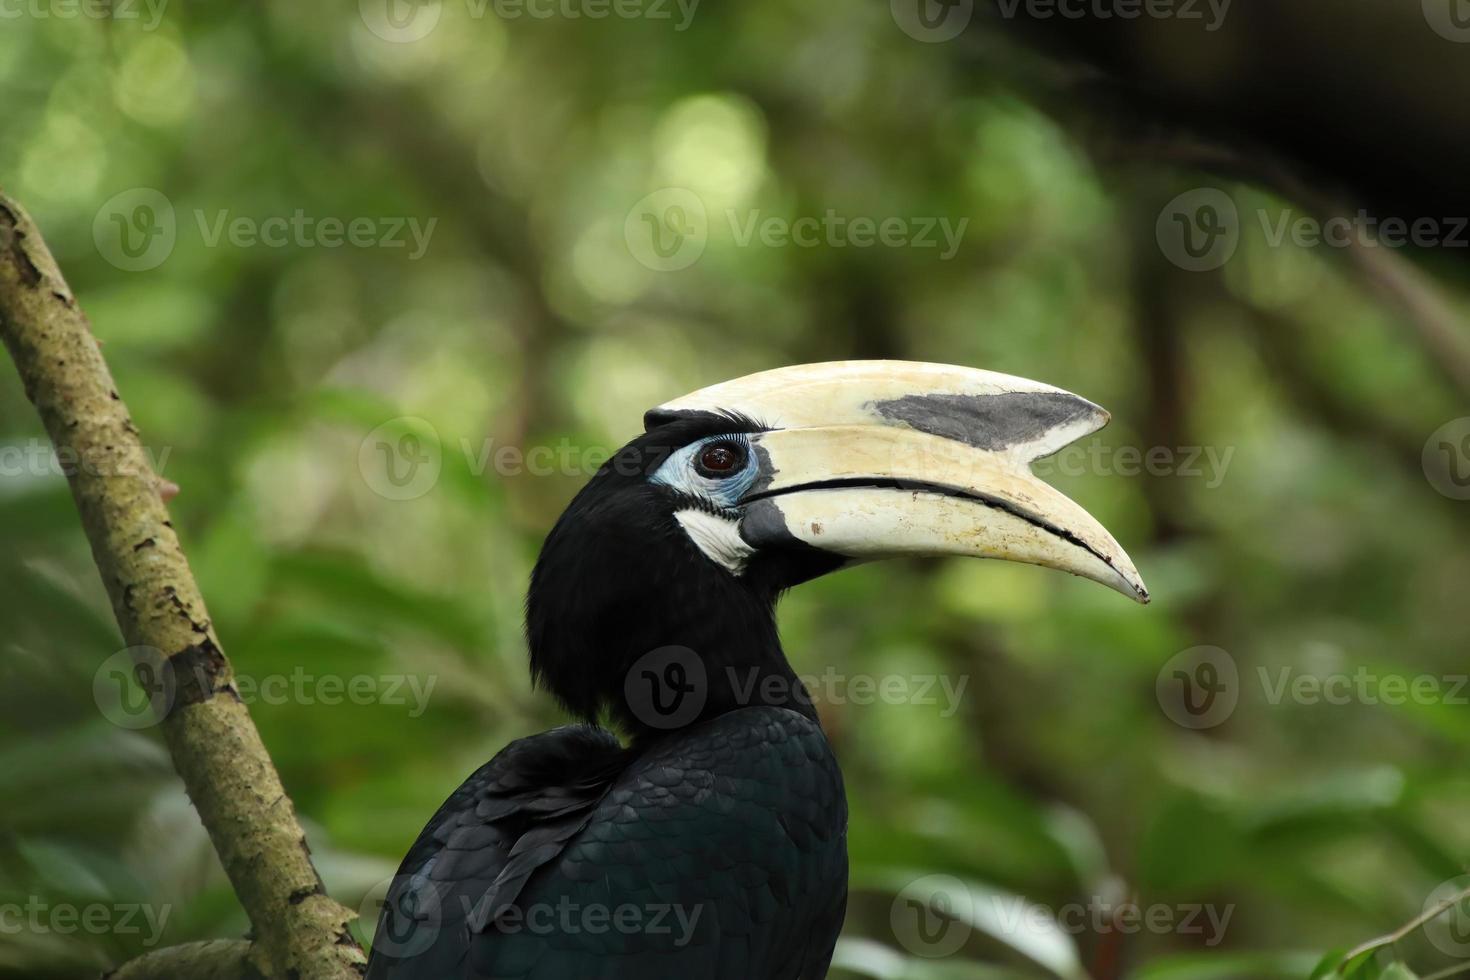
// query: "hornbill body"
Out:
[713,842]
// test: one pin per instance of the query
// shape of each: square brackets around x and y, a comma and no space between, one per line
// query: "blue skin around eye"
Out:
[678,472]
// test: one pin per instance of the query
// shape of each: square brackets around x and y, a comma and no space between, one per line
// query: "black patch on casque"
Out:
[990,422]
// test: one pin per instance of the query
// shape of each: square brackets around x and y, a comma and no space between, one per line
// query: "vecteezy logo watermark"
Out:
[931,916]
[137,688]
[138,230]
[666,688]
[668,230]
[119,10]
[1210,12]
[1198,688]
[1450,19]
[932,21]
[134,688]
[1446,459]
[406,912]
[401,458]
[38,917]
[1199,230]
[402,21]
[1448,907]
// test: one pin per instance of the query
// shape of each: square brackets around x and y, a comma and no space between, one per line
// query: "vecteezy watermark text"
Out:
[403,22]
[1211,13]
[1201,687]
[935,21]
[1362,686]
[669,687]
[840,231]
[409,914]
[117,10]
[1200,230]
[138,229]
[668,230]
[1101,916]
[301,230]
[37,457]
[1209,463]
[37,916]
[137,687]
[403,458]
[933,916]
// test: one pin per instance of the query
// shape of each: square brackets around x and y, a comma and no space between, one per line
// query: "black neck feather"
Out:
[625,614]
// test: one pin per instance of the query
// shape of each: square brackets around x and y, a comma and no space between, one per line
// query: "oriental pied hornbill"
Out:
[713,842]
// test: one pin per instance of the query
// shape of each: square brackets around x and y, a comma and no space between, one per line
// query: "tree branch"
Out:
[1428,316]
[218,959]
[300,932]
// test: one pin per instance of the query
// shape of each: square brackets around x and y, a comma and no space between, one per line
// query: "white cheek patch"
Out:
[718,537]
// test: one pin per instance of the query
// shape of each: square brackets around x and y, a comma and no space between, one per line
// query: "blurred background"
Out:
[382,284]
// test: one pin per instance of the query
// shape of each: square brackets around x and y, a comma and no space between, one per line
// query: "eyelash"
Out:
[680,473]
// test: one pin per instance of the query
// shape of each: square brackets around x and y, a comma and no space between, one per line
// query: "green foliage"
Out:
[525,343]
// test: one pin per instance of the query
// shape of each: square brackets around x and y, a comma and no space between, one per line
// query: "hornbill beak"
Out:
[877,459]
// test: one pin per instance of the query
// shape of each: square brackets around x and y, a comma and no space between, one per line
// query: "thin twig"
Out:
[1409,927]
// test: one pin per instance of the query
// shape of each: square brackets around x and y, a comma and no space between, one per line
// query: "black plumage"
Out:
[717,849]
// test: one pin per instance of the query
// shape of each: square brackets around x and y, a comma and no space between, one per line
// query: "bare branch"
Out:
[219,959]
[1430,318]
[214,744]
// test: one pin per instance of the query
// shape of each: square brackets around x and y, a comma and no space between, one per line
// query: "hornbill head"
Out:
[684,539]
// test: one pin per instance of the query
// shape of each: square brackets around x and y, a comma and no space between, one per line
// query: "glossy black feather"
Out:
[717,851]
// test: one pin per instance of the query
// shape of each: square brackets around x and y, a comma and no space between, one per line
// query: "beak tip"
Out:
[1128,582]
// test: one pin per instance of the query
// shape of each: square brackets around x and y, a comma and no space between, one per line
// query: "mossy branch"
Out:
[219,959]
[299,931]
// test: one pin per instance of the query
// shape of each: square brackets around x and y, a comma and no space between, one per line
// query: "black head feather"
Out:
[618,578]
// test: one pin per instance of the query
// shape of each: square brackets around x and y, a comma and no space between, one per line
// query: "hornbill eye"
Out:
[720,459]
